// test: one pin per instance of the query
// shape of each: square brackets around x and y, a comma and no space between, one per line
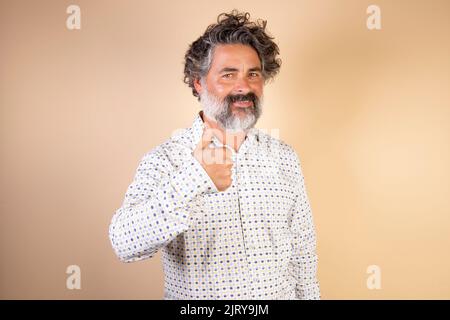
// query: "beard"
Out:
[222,112]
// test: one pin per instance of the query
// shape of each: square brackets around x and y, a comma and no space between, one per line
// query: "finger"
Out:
[215,132]
[205,140]
[229,165]
[225,156]
[228,156]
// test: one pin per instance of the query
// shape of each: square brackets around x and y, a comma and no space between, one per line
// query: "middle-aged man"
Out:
[225,202]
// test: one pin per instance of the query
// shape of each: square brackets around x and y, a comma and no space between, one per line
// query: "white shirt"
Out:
[255,240]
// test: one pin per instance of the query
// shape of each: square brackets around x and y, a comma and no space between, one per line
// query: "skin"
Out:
[235,69]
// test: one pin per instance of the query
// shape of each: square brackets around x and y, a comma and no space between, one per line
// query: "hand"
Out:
[217,162]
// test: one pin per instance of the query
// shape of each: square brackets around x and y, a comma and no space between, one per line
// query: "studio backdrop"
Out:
[88,87]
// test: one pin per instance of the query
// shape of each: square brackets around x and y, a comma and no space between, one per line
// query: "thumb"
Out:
[206,138]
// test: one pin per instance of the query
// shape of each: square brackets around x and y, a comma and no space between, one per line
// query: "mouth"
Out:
[243,104]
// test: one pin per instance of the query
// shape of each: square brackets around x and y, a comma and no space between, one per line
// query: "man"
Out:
[225,203]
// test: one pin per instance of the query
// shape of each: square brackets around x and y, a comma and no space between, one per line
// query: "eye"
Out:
[227,75]
[254,74]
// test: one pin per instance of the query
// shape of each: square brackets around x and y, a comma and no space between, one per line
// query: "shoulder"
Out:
[282,154]
[276,146]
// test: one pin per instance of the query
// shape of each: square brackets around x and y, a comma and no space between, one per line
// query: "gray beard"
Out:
[221,112]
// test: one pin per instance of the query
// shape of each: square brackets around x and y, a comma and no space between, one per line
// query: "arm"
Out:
[304,258]
[157,205]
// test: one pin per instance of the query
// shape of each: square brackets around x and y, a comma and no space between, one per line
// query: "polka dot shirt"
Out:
[255,240]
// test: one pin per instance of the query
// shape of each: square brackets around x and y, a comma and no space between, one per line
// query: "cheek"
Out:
[257,89]
[218,88]
[222,91]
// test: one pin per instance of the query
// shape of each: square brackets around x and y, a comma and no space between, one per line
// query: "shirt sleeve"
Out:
[158,205]
[304,258]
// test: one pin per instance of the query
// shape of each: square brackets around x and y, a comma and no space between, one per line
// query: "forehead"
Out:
[234,55]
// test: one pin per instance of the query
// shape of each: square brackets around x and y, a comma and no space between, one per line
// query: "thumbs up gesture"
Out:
[217,162]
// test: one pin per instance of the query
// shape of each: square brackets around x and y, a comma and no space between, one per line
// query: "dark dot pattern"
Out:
[255,240]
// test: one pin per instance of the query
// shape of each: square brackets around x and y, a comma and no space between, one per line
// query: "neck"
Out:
[233,140]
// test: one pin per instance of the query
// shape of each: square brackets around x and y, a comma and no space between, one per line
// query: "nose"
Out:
[241,86]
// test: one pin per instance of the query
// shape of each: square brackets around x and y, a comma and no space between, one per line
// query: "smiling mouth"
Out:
[243,104]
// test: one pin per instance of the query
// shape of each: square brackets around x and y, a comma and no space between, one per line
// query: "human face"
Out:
[232,91]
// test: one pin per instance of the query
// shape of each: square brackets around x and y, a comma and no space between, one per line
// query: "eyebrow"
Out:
[231,69]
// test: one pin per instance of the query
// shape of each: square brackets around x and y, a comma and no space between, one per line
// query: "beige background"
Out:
[367,111]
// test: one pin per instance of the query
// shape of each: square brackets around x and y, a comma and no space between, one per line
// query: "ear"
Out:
[197,86]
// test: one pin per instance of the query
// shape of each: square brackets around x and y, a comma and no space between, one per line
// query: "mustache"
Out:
[242,97]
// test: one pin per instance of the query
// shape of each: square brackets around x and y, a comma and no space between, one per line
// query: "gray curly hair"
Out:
[231,28]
